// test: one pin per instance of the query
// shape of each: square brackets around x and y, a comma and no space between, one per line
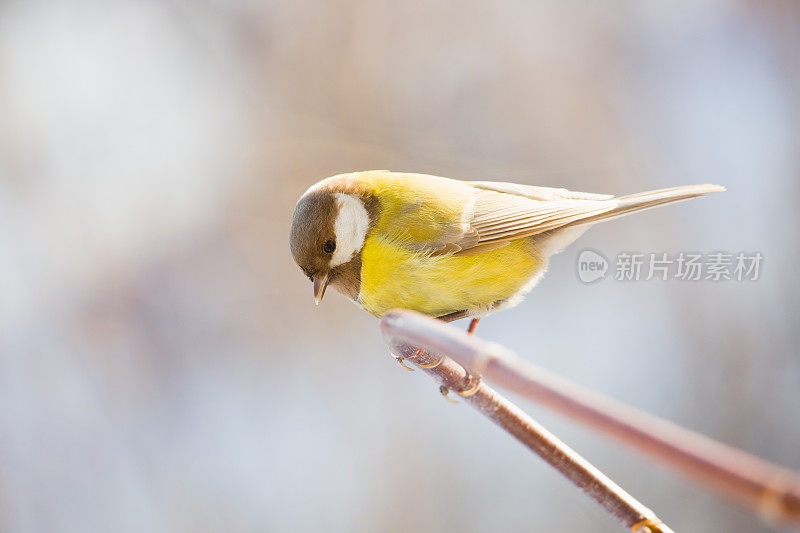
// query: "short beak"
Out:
[320,283]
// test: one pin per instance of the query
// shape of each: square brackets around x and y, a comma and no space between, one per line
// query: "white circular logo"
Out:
[592,266]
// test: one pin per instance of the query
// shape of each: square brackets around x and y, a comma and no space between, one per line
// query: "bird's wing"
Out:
[479,216]
[507,212]
[537,193]
[470,217]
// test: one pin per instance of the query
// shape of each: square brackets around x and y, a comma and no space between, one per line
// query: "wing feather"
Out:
[470,217]
[503,216]
[537,193]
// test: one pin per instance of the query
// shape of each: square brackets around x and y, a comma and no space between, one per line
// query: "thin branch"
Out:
[508,416]
[772,491]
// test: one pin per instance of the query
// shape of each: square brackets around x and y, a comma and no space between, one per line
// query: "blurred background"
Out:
[162,364]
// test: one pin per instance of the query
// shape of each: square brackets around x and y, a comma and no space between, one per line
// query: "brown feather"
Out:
[506,211]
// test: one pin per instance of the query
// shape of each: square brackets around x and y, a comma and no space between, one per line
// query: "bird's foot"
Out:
[402,362]
[432,365]
[424,365]
[444,391]
[472,386]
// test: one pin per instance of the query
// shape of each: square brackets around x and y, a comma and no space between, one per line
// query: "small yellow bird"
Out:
[444,247]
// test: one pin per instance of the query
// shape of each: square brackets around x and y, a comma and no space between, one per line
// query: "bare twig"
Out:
[505,414]
[772,491]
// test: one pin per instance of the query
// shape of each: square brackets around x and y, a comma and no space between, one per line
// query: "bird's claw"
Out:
[472,387]
[444,391]
[402,362]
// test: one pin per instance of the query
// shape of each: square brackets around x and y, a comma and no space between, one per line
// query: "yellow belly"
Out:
[393,277]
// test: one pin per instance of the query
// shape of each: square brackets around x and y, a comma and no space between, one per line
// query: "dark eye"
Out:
[329,246]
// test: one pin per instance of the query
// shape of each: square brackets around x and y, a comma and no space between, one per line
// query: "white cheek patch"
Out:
[351,227]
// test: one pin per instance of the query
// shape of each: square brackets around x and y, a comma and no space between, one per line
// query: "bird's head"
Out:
[328,232]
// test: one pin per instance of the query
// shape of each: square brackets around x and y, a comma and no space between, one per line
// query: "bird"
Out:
[445,247]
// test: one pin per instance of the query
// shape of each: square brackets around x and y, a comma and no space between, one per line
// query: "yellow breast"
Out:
[392,276]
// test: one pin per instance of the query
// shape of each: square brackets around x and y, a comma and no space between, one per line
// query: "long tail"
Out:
[647,200]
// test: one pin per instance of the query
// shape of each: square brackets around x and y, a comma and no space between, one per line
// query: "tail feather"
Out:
[646,200]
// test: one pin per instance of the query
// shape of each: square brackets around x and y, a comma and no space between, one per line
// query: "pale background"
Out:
[162,365]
